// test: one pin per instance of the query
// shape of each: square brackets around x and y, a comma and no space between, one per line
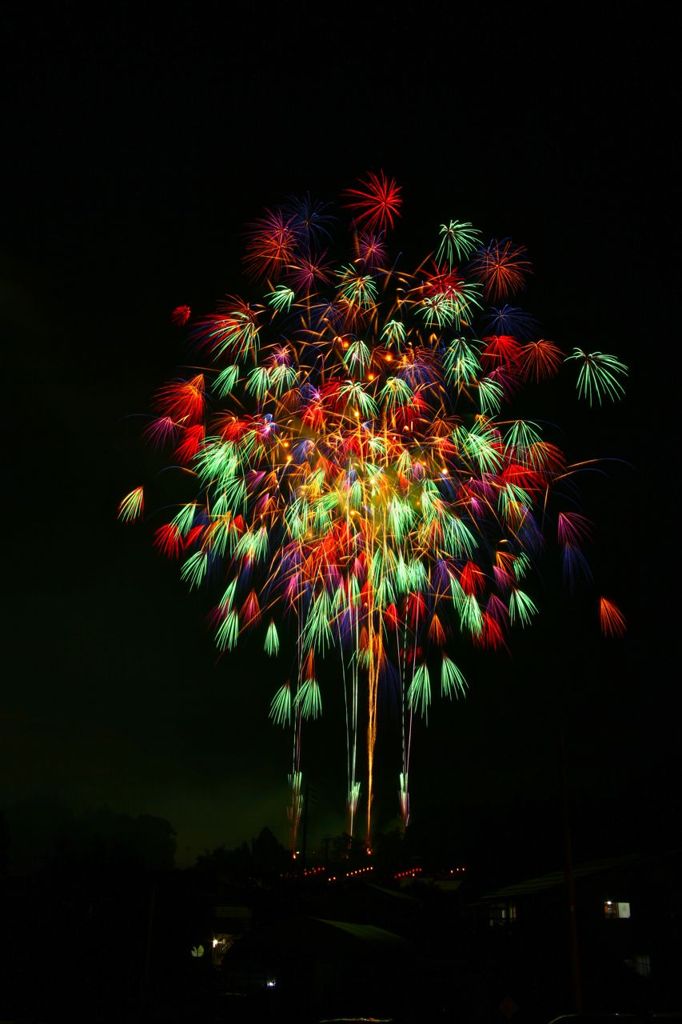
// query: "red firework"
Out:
[183,400]
[377,201]
[611,618]
[271,244]
[181,315]
[502,266]
[540,359]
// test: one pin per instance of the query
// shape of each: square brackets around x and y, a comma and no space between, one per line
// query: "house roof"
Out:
[366,932]
[554,879]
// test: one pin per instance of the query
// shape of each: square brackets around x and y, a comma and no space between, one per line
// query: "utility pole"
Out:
[146,975]
[304,831]
[576,980]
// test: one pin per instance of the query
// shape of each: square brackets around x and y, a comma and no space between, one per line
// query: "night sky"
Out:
[138,148]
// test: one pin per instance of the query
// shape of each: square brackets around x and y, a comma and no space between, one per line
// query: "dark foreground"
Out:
[349,941]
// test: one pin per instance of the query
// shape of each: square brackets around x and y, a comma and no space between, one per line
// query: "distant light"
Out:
[214,943]
[271,983]
[616,910]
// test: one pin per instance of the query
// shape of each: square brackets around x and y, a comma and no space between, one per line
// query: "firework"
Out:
[363,487]
[376,200]
[611,618]
[502,266]
[181,315]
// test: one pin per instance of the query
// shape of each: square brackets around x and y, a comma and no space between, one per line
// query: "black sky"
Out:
[139,144]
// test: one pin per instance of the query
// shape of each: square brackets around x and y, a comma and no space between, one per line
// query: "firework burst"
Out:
[363,488]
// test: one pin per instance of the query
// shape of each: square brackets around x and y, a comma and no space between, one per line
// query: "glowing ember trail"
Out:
[358,491]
